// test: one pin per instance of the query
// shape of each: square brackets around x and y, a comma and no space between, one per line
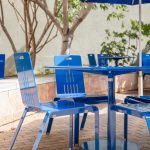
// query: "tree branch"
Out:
[65,17]
[51,16]
[83,13]
[17,14]
[5,29]
[47,39]
[25,24]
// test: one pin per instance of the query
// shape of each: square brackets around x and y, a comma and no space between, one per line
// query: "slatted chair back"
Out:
[92,60]
[102,60]
[69,83]
[26,79]
[146,61]
[2,65]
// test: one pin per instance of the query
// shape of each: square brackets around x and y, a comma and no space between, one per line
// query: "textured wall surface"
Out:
[87,38]
[12,107]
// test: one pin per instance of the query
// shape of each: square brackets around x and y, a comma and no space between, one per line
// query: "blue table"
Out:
[111,72]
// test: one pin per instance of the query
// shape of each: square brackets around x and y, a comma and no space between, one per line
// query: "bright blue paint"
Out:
[2,65]
[102,60]
[103,70]
[128,2]
[92,60]
[31,100]
[146,62]
[69,83]
[111,72]
[147,117]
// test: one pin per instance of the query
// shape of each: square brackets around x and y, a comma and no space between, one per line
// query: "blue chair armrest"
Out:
[135,99]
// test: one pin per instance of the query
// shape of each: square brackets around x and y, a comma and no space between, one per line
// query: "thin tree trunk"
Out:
[64,44]
[33,56]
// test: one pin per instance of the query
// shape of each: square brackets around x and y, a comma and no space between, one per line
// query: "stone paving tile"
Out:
[59,137]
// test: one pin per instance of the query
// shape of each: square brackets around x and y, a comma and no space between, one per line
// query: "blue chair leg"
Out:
[49,126]
[18,128]
[76,129]
[71,133]
[125,131]
[97,134]
[86,147]
[41,131]
[83,121]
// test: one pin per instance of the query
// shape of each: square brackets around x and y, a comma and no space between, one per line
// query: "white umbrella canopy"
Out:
[130,2]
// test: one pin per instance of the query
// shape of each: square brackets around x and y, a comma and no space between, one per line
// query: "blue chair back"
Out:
[102,60]
[26,79]
[2,65]
[92,60]
[146,61]
[69,83]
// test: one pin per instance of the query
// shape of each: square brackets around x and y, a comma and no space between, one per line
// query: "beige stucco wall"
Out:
[12,107]
[87,37]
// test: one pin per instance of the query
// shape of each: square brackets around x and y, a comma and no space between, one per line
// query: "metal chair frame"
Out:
[2,65]
[92,60]
[146,62]
[70,84]
[134,106]
[102,60]
[32,102]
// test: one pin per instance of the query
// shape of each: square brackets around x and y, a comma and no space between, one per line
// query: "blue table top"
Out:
[103,70]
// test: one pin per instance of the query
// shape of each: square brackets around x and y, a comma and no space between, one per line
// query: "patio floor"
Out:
[58,139]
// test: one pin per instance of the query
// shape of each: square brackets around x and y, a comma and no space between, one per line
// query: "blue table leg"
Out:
[49,126]
[83,120]
[76,130]
[125,131]
[111,133]
[71,133]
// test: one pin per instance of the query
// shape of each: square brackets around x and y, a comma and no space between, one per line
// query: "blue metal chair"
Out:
[102,60]
[146,62]
[92,60]
[2,65]
[70,84]
[135,106]
[31,101]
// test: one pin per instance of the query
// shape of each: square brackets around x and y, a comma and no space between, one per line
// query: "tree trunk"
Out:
[33,57]
[33,51]
[64,44]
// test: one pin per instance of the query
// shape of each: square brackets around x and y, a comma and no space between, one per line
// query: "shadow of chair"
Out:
[70,84]
[30,98]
